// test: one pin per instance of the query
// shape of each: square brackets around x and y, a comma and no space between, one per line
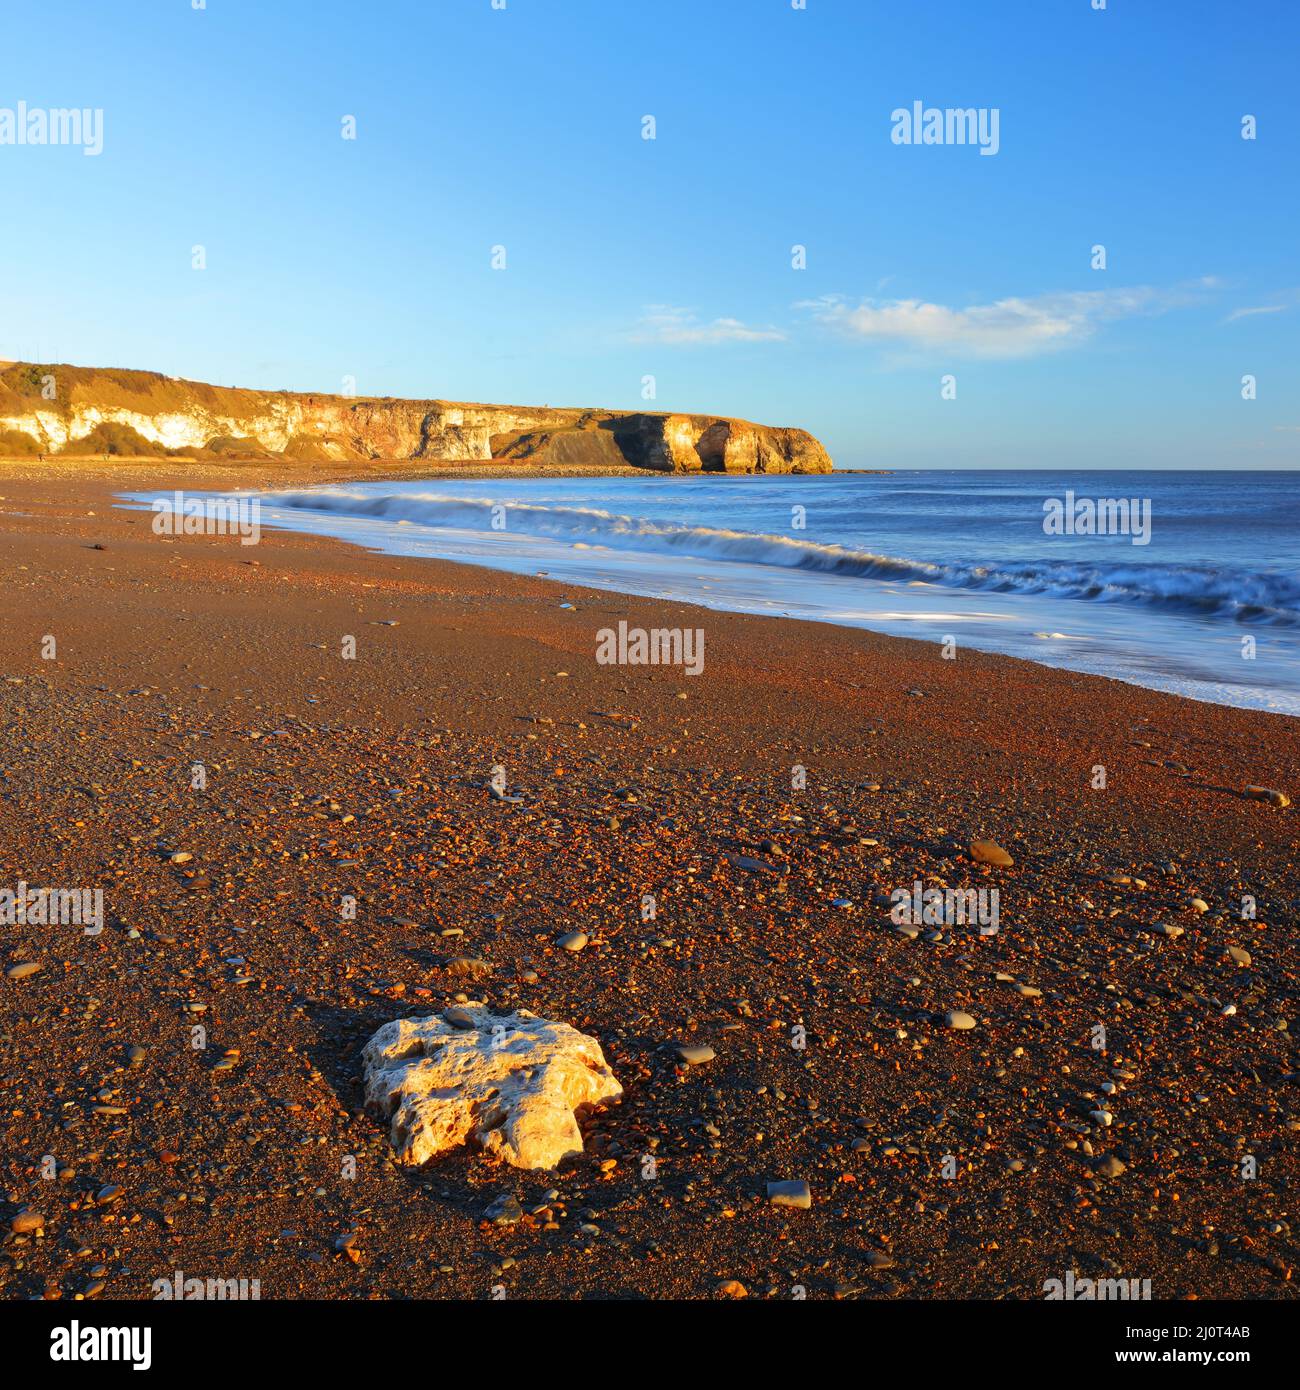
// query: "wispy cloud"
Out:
[662,323]
[1256,309]
[1016,327]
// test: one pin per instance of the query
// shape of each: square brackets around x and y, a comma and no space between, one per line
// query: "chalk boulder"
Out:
[509,1084]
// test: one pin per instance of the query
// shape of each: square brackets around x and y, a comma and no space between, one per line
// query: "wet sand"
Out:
[941,1163]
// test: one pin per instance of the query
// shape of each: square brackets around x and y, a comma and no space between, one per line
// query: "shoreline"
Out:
[1186,681]
[197,649]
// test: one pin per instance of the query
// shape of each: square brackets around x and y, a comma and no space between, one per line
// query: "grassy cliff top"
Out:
[152,393]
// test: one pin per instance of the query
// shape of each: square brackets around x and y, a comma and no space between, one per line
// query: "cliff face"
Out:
[59,409]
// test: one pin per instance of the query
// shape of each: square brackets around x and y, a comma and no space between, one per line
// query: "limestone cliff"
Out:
[60,409]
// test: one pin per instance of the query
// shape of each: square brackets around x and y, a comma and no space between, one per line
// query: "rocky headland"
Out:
[80,411]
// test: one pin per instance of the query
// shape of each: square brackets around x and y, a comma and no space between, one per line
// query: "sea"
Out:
[1187,582]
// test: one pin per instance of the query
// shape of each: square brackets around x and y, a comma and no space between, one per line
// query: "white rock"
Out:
[509,1084]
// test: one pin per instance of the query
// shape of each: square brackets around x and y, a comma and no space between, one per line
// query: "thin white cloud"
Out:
[1015,327]
[662,323]
[1257,309]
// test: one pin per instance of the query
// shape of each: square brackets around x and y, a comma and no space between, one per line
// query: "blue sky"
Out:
[478,127]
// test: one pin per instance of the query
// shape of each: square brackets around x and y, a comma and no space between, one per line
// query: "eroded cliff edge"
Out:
[62,409]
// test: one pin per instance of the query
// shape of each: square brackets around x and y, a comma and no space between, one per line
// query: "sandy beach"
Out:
[941,1162]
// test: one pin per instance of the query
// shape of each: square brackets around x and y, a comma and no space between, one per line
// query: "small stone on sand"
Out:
[793,1192]
[990,852]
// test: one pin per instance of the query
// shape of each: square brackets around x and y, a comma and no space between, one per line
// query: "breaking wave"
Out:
[1222,592]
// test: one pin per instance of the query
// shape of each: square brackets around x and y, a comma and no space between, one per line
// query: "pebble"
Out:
[573,941]
[469,966]
[1168,929]
[1112,1167]
[1273,798]
[23,969]
[1240,954]
[695,1054]
[959,1019]
[180,857]
[504,1210]
[989,852]
[732,1288]
[752,865]
[792,1192]
[26,1222]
